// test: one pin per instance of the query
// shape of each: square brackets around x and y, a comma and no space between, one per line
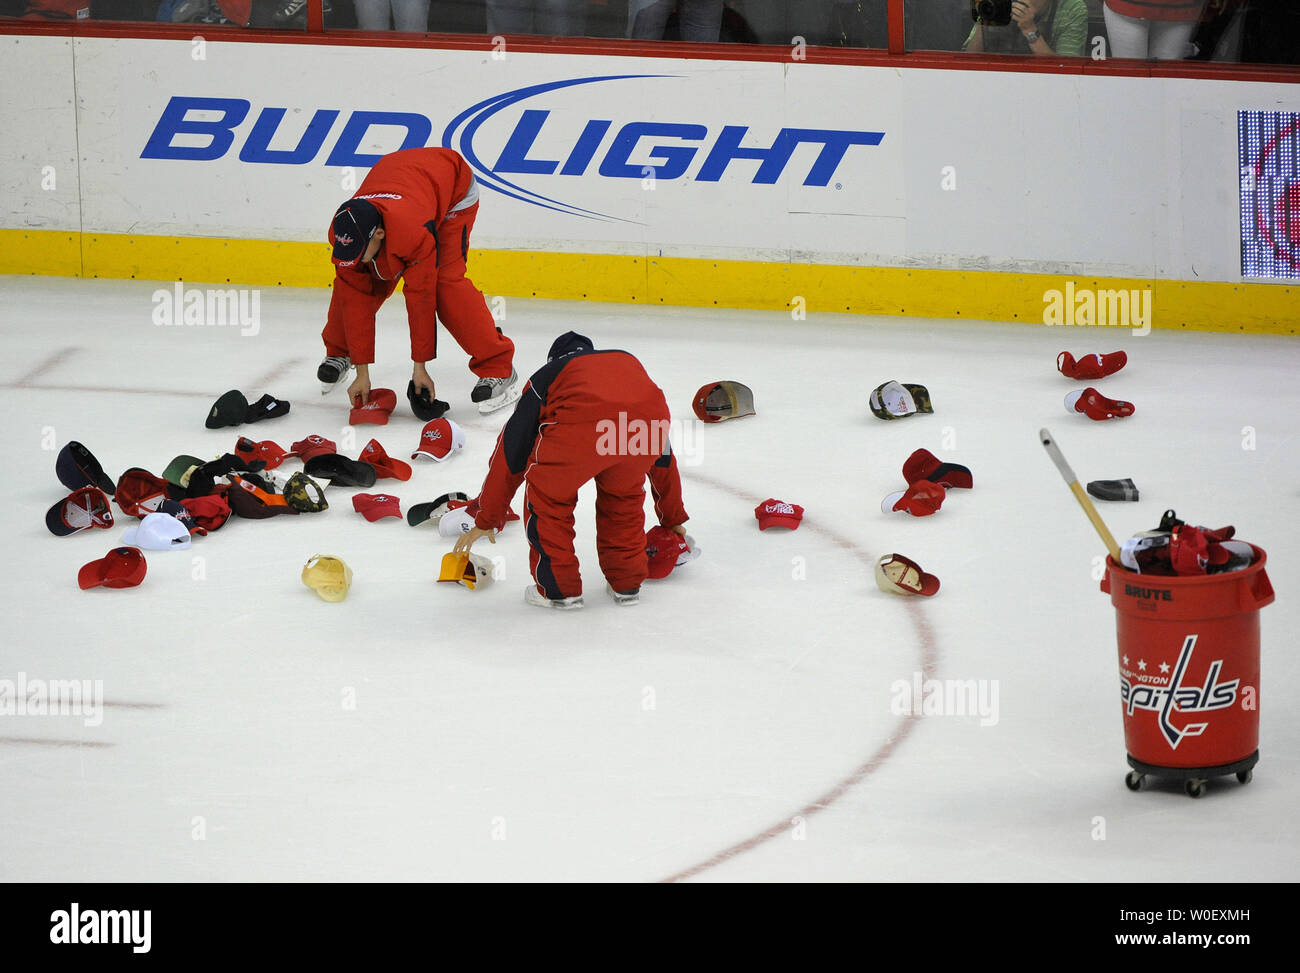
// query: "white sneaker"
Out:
[535,597]
[624,597]
[492,394]
[332,371]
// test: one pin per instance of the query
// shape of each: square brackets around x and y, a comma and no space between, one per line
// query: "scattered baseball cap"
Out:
[376,506]
[920,499]
[385,466]
[456,521]
[139,492]
[298,493]
[379,406]
[723,400]
[176,509]
[924,465]
[229,410]
[353,225]
[158,532]
[77,467]
[778,513]
[900,575]
[1096,406]
[666,549]
[427,514]
[122,567]
[210,511]
[894,400]
[341,470]
[267,407]
[266,451]
[80,510]
[178,471]
[248,498]
[328,576]
[424,405]
[466,568]
[439,439]
[1124,489]
[1090,366]
[313,445]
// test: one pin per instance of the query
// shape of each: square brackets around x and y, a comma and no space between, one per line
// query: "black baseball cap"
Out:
[353,225]
[77,467]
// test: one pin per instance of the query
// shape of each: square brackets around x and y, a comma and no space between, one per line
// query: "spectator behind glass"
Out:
[1270,33]
[410,16]
[701,20]
[1151,29]
[1037,27]
[552,18]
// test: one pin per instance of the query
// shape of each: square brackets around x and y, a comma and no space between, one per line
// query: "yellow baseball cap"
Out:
[471,570]
[328,576]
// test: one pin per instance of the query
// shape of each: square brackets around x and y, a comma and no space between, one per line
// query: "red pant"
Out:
[563,460]
[451,298]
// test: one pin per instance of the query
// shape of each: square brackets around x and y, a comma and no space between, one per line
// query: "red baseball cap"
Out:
[664,549]
[924,465]
[139,492]
[267,451]
[920,499]
[778,513]
[899,575]
[439,439]
[211,511]
[376,506]
[122,567]
[384,465]
[313,445]
[377,409]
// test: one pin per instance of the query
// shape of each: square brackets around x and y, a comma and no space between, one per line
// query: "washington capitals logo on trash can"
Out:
[1175,697]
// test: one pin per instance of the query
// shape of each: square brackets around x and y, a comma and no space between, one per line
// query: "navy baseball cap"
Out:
[77,467]
[354,224]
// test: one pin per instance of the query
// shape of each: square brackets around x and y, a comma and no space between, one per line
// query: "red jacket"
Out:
[1158,9]
[582,387]
[413,190]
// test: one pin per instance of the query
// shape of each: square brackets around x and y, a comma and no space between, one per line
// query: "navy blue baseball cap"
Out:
[354,224]
[77,468]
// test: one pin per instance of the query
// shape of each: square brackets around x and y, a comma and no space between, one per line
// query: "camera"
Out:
[992,13]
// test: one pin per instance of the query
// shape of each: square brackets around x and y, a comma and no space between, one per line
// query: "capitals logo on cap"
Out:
[439,439]
[778,513]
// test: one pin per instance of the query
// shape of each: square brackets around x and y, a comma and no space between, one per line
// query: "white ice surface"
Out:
[420,731]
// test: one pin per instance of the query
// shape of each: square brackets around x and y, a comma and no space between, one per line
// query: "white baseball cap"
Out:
[158,532]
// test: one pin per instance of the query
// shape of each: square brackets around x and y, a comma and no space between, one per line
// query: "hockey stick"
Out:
[1072,482]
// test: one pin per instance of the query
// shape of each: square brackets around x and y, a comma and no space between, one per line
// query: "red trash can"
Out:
[1189,671]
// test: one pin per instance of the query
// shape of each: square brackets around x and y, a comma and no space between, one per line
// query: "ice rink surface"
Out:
[737,724]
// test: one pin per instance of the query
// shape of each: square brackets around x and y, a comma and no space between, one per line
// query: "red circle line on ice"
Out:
[927,662]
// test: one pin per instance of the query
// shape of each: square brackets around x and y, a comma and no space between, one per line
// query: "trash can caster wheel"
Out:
[1133,780]
[1244,776]
[1194,788]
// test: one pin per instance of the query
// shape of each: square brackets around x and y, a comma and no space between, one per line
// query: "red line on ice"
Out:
[928,661]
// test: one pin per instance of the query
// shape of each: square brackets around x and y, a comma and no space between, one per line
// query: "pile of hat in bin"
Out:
[1175,548]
